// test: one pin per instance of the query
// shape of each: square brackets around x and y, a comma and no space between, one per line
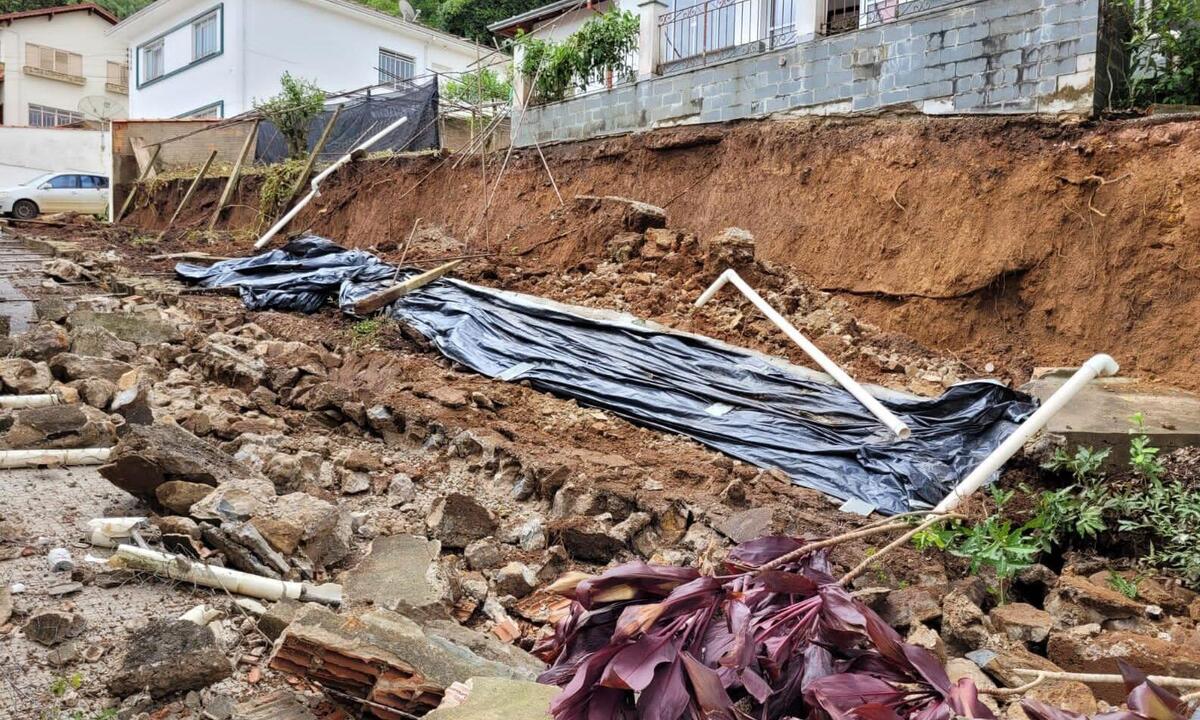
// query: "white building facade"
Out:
[59,66]
[214,58]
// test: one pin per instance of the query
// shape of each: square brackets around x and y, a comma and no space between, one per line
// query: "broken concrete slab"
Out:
[168,656]
[149,455]
[491,698]
[389,660]
[141,328]
[400,573]
[1099,415]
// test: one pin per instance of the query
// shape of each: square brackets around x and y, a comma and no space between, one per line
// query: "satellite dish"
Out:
[407,11]
[99,107]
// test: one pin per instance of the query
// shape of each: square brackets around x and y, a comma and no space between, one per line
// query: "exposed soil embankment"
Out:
[1026,242]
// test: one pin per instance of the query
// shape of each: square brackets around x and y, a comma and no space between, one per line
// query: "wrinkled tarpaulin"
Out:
[730,399]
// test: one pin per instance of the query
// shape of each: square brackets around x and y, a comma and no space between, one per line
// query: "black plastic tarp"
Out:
[736,401]
[361,118]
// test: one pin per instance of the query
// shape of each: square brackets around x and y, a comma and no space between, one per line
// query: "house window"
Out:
[206,36]
[153,61]
[394,67]
[42,116]
[118,77]
[215,110]
[53,61]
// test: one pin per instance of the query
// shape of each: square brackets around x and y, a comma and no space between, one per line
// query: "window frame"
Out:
[214,17]
[194,114]
[218,9]
[387,78]
[63,65]
[158,46]
[67,117]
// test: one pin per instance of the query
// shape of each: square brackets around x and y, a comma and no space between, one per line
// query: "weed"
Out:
[367,332]
[1082,465]
[60,685]
[144,240]
[1123,585]
[1143,457]
[279,182]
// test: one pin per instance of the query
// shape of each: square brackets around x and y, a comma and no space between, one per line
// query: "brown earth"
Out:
[982,237]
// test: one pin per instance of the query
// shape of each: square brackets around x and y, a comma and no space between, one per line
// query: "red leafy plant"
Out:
[1146,701]
[667,643]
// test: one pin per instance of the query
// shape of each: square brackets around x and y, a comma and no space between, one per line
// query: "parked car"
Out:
[56,192]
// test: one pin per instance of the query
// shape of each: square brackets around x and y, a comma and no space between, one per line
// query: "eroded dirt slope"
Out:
[1019,241]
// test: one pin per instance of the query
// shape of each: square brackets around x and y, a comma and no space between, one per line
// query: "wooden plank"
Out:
[302,181]
[234,176]
[384,297]
[191,190]
[138,184]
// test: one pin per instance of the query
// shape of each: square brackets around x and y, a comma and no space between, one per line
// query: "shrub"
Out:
[481,86]
[1164,51]
[292,111]
[600,48]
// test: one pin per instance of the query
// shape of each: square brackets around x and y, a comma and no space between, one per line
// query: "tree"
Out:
[292,111]
[470,18]
[120,8]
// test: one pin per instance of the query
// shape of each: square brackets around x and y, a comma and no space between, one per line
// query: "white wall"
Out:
[335,44]
[26,153]
[78,32]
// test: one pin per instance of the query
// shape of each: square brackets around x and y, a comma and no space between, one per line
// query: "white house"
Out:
[214,58]
[59,66]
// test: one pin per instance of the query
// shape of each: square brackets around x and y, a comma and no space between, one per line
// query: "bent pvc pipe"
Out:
[178,567]
[36,458]
[20,402]
[316,182]
[1096,366]
[885,416]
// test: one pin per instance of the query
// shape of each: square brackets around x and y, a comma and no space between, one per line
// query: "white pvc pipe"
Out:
[1096,366]
[316,182]
[38,458]
[877,409]
[19,402]
[178,567]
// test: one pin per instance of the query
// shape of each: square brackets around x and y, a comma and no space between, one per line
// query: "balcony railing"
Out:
[715,30]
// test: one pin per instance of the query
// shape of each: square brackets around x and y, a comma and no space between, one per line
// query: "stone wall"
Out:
[988,56]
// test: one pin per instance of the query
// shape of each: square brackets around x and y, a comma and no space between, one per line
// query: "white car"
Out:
[56,192]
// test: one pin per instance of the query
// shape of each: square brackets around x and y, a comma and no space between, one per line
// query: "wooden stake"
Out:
[302,182]
[137,184]
[377,300]
[191,190]
[234,176]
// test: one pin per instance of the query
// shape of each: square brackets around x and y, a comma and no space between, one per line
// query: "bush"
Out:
[292,111]
[481,86]
[1164,51]
[599,49]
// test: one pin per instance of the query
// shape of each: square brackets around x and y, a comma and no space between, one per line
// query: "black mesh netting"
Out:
[363,117]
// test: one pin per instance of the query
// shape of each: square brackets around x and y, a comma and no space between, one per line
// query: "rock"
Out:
[457,520]
[638,216]
[235,501]
[24,377]
[294,519]
[95,391]
[353,483]
[959,668]
[926,637]
[623,247]
[278,705]
[140,328]
[52,308]
[64,654]
[628,528]
[95,341]
[69,366]
[150,455]
[1090,650]
[1022,622]
[1067,695]
[590,541]
[400,573]
[6,604]
[531,535]
[64,269]
[41,343]
[450,397]
[278,616]
[63,589]
[60,426]
[1150,590]
[1076,601]
[731,248]
[401,490]
[132,398]
[218,707]
[169,656]
[179,496]
[515,579]
[176,525]
[491,698]
[51,627]
[963,622]
[294,472]
[748,524]
[390,653]
[361,460]
[906,606]
[483,554]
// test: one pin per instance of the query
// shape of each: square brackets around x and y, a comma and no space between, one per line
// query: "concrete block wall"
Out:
[982,57]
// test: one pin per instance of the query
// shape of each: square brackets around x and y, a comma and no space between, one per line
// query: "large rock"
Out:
[906,606]
[491,698]
[1022,622]
[963,622]
[168,656]
[69,366]
[141,328]
[1078,601]
[60,426]
[41,343]
[731,248]
[95,341]
[458,520]
[1090,650]
[150,455]
[589,540]
[300,521]
[179,496]
[51,627]
[400,573]
[24,377]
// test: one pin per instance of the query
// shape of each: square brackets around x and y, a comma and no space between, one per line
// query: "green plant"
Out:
[278,185]
[602,47]
[366,332]
[1082,465]
[1164,51]
[293,110]
[61,684]
[1143,457]
[1123,585]
[483,85]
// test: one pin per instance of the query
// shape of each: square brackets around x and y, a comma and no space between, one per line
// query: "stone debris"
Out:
[51,627]
[150,455]
[401,573]
[168,656]
[493,698]
[24,377]
[458,520]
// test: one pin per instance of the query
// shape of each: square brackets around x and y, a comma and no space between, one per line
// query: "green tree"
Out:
[120,8]
[1164,51]
[292,111]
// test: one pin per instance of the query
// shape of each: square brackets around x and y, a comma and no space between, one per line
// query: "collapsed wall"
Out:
[1030,241]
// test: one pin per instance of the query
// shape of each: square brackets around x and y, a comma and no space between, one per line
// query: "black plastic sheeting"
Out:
[363,117]
[733,400]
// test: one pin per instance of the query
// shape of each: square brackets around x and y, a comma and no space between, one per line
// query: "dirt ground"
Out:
[1017,242]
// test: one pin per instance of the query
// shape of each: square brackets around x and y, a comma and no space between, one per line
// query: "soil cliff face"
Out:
[1036,243]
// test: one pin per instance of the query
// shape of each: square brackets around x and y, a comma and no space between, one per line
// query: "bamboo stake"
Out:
[302,182]
[191,190]
[234,176]
[138,184]
[36,458]
[868,562]
[1166,680]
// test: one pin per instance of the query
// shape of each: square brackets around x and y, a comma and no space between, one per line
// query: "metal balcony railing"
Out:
[715,30]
